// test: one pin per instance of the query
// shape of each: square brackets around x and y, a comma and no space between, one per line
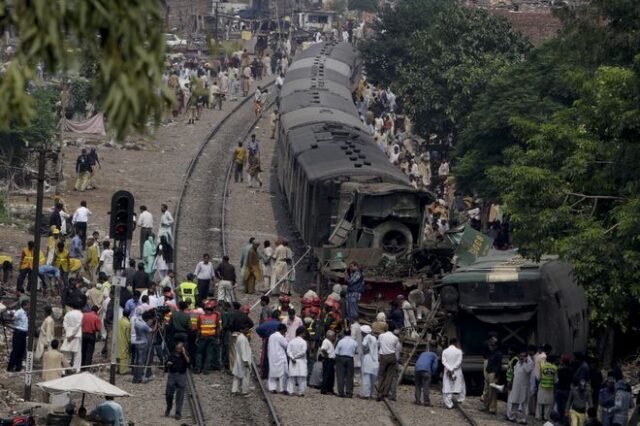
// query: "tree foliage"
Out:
[125,37]
[388,51]
[438,56]
[451,61]
[556,139]
[364,5]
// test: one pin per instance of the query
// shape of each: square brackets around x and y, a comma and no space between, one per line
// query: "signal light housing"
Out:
[121,223]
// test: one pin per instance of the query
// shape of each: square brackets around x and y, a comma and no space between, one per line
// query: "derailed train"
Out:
[341,189]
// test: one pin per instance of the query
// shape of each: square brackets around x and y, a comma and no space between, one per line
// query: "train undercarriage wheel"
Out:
[393,237]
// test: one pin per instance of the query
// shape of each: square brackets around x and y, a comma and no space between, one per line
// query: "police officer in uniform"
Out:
[188,291]
[209,326]
[548,373]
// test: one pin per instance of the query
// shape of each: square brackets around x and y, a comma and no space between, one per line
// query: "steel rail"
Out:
[194,401]
[465,414]
[395,415]
[192,393]
[273,413]
[192,164]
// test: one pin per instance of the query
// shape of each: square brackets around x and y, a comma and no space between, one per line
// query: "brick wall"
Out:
[538,25]
[178,13]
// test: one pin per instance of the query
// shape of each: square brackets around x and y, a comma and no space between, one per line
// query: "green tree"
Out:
[125,37]
[572,188]
[548,81]
[451,61]
[388,51]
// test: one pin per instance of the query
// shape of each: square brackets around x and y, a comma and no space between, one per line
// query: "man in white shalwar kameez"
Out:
[277,352]
[297,353]
[369,362]
[242,367]
[517,400]
[453,386]
[46,333]
[166,224]
[72,344]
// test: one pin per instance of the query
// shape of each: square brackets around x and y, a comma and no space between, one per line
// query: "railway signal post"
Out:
[120,230]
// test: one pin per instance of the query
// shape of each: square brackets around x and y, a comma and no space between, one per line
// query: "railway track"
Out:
[465,415]
[201,227]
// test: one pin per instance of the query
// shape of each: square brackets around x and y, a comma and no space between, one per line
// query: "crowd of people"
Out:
[425,162]
[558,389]
[200,83]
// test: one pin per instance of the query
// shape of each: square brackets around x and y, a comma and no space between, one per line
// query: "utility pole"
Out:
[33,276]
[215,23]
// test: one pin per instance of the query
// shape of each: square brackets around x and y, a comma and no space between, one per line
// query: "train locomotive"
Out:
[340,188]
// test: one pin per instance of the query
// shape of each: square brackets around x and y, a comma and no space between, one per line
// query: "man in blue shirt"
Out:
[426,368]
[141,344]
[76,247]
[109,412]
[19,343]
[345,351]
[133,303]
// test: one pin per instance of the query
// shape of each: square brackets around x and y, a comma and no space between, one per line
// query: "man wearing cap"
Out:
[369,362]
[208,354]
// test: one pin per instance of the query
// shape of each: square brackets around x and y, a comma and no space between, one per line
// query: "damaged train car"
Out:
[524,302]
[341,190]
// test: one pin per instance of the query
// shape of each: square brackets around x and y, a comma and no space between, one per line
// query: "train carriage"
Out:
[340,188]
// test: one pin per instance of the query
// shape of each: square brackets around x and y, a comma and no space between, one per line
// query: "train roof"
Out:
[316,97]
[302,85]
[340,51]
[319,74]
[321,64]
[500,267]
[328,150]
[320,114]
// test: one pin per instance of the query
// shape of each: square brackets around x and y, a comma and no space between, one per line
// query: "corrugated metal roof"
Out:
[319,75]
[312,115]
[321,63]
[315,98]
[307,84]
